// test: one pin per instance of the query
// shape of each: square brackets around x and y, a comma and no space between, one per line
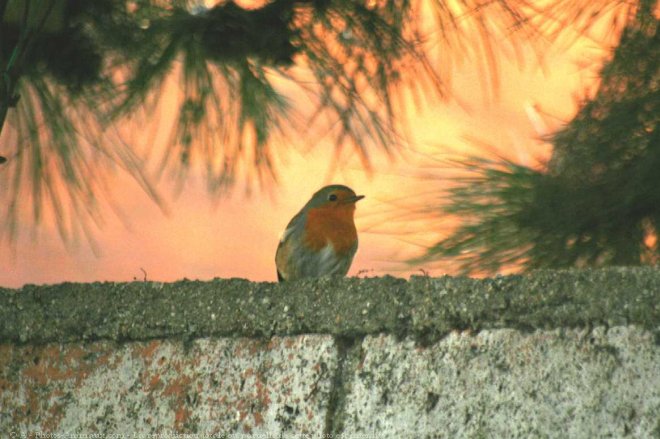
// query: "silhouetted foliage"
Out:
[71,69]
[54,90]
[597,203]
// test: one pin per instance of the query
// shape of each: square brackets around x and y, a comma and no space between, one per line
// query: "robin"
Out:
[321,239]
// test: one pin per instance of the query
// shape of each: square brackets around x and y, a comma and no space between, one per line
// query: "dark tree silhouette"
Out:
[53,90]
[73,69]
[597,202]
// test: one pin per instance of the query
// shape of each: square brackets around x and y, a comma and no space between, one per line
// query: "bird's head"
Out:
[335,196]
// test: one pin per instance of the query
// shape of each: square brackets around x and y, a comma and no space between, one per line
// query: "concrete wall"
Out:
[553,354]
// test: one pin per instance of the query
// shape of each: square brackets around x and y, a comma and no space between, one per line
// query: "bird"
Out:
[321,239]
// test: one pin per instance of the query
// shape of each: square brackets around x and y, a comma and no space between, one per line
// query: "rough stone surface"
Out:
[424,307]
[550,354]
[207,386]
[504,383]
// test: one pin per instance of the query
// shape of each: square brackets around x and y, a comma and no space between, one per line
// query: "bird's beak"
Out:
[353,199]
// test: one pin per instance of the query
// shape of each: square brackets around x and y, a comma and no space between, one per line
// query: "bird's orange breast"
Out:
[331,224]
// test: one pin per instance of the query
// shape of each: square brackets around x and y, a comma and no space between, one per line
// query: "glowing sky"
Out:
[236,236]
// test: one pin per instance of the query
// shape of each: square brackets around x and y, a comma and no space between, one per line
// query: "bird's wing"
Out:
[296,222]
[285,242]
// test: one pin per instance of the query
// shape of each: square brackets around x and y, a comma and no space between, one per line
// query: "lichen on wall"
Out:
[550,354]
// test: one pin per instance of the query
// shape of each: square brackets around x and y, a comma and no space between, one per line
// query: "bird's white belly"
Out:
[326,260]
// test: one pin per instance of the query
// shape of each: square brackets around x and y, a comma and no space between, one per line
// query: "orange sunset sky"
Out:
[201,238]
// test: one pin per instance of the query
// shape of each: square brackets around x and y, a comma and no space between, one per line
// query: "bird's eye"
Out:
[332,197]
